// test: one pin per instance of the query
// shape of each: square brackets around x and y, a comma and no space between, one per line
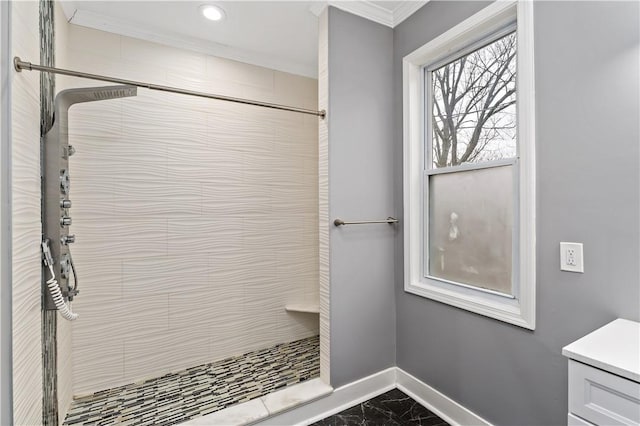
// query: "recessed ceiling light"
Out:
[211,12]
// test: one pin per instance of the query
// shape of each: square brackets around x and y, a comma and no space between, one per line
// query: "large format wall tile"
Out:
[26,225]
[196,220]
[323,197]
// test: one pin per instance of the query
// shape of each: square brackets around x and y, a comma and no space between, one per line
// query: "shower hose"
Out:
[54,287]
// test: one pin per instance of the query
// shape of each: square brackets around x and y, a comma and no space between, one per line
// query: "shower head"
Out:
[66,98]
[115,92]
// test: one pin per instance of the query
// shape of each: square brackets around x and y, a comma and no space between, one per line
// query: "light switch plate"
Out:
[571,257]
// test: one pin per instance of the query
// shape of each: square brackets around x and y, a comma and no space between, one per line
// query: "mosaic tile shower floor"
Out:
[197,391]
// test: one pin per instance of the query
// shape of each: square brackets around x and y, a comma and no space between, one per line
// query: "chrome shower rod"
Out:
[20,65]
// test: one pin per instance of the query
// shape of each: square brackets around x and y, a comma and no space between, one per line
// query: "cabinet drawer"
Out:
[603,398]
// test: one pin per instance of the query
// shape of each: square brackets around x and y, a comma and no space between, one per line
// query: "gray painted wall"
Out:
[361,177]
[587,68]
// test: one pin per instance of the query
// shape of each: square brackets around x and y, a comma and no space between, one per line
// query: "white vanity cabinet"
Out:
[604,376]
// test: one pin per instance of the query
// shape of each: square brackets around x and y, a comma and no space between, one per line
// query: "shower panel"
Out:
[56,192]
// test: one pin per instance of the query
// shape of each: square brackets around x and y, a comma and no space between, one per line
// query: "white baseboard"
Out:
[446,408]
[369,387]
[342,398]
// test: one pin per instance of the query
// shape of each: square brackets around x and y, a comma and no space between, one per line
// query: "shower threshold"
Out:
[199,391]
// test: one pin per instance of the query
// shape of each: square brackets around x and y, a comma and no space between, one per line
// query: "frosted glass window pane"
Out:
[470,227]
[474,106]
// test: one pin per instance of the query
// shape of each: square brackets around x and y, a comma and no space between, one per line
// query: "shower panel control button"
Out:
[65,221]
[65,265]
[65,181]
[65,204]
[71,150]
[68,239]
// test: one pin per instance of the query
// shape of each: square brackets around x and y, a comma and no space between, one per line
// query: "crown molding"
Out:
[318,7]
[373,12]
[363,8]
[68,9]
[106,23]
[404,9]
[366,9]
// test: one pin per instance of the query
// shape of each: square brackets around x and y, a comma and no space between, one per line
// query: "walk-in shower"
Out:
[189,211]
[197,236]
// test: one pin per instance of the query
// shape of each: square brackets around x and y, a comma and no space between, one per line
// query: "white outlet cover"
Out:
[566,263]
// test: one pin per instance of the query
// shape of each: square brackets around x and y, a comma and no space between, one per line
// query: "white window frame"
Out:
[520,309]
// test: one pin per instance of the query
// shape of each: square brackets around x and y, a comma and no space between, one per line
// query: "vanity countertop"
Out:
[614,347]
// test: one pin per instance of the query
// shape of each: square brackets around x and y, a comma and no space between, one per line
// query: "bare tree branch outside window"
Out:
[474,106]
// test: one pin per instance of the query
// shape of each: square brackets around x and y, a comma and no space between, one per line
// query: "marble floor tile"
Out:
[392,408]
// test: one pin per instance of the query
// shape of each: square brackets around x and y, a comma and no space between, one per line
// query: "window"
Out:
[469,167]
[471,150]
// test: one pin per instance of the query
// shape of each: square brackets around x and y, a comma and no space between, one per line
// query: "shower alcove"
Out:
[199,227]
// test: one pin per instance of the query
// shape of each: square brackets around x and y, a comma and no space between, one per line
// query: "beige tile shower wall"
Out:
[323,196]
[26,226]
[64,331]
[196,220]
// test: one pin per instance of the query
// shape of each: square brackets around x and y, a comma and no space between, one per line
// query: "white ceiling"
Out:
[281,35]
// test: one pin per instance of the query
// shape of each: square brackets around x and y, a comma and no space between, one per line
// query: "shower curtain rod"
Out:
[20,65]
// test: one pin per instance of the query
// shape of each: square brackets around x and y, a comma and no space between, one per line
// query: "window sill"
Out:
[501,308]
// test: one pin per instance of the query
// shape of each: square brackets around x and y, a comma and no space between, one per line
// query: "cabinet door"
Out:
[603,398]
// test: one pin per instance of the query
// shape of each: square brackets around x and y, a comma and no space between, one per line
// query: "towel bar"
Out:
[390,220]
